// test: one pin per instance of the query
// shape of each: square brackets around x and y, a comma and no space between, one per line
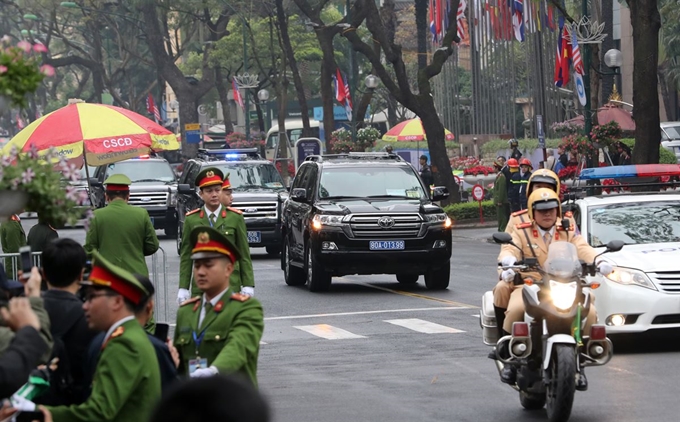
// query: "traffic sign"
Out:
[540,131]
[580,88]
[457,179]
[478,193]
[192,133]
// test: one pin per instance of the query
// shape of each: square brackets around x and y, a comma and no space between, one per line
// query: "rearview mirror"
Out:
[503,238]
[298,195]
[439,193]
[615,245]
[184,188]
[94,181]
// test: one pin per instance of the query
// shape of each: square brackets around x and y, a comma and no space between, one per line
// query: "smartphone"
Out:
[161,332]
[30,416]
[26,260]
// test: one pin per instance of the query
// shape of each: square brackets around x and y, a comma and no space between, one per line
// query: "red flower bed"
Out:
[291,167]
[477,170]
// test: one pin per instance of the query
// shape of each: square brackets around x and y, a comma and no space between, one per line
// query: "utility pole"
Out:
[350,79]
[246,101]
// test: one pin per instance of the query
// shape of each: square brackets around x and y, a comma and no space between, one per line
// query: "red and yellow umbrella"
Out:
[105,134]
[411,130]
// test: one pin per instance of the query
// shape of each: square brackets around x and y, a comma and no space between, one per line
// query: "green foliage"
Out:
[665,156]
[470,210]
[52,197]
[20,71]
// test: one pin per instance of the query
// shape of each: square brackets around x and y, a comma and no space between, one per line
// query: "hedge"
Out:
[665,156]
[470,210]
[492,147]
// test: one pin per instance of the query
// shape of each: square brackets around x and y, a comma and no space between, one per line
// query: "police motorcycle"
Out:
[548,348]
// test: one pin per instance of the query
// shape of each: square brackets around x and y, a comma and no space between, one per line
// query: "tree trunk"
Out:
[421,27]
[223,93]
[328,66]
[188,113]
[646,22]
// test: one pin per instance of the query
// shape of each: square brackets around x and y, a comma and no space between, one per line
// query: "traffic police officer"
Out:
[127,382]
[534,238]
[120,232]
[12,237]
[235,229]
[219,331]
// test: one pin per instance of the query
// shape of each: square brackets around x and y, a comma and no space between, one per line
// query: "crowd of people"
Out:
[83,322]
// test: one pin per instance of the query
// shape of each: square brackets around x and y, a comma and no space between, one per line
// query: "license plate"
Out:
[254,237]
[382,245]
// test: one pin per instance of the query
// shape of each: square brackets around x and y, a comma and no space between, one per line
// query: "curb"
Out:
[475,225]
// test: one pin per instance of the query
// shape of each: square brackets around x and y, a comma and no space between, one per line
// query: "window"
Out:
[144,171]
[634,223]
[298,182]
[252,176]
[360,181]
[192,173]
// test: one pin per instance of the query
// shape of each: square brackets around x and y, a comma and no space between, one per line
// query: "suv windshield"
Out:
[143,171]
[253,176]
[634,223]
[376,181]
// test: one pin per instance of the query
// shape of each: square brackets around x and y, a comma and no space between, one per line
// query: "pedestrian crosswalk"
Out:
[328,332]
[422,326]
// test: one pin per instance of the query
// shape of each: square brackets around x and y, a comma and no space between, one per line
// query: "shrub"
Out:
[470,210]
[665,156]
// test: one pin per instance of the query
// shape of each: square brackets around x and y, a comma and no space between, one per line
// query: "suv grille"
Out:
[366,225]
[257,209]
[148,199]
[668,281]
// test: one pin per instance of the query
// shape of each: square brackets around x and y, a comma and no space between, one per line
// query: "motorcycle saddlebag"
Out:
[487,319]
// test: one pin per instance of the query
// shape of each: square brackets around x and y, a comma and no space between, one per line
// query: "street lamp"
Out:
[613,59]
[371,81]
[263,96]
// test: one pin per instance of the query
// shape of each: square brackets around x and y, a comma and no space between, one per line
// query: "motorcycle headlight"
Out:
[630,277]
[321,220]
[563,294]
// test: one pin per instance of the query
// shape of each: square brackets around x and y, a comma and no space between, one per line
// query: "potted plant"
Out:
[479,174]
[20,71]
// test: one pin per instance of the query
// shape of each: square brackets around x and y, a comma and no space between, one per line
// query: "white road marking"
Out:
[328,332]
[423,326]
[447,308]
[262,342]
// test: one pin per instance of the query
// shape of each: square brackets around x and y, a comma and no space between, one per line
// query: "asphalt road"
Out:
[374,350]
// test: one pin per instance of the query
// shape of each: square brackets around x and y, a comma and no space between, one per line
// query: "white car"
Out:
[643,291]
[670,137]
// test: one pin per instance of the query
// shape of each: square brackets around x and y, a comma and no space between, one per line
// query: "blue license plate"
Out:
[382,245]
[254,237]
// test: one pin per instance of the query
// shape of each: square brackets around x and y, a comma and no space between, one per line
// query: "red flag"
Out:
[562,58]
[152,109]
[237,94]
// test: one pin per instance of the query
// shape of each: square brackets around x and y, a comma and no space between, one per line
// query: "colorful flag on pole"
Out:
[550,19]
[342,93]
[518,19]
[562,58]
[152,109]
[237,94]
[460,17]
[433,19]
[576,54]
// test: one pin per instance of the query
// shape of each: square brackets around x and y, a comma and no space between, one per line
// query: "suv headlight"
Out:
[440,218]
[173,199]
[628,277]
[321,220]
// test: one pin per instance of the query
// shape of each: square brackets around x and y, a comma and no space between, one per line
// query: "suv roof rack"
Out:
[229,154]
[356,156]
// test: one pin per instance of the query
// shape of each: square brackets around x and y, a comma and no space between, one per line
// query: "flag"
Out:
[152,109]
[433,19]
[506,20]
[550,18]
[518,19]
[576,54]
[460,16]
[342,93]
[237,94]
[493,15]
[20,122]
[562,57]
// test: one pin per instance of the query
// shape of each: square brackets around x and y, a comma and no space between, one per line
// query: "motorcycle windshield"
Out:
[562,260]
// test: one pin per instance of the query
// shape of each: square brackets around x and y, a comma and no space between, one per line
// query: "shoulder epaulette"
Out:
[192,300]
[193,211]
[236,210]
[568,214]
[118,332]
[524,225]
[14,218]
[516,213]
[240,297]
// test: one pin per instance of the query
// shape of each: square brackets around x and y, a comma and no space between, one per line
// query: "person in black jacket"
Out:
[63,262]
[425,172]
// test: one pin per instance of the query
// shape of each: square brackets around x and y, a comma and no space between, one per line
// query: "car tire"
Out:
[318,279]
[171,231]
[179,239]
[438,278]
[293,276]
[407,278]
[273,250]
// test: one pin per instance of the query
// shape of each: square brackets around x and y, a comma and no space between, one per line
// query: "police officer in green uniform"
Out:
[40,235]
[235,229]
[218,332]
[121,233]
[12,237]
[212,214]
[127,381]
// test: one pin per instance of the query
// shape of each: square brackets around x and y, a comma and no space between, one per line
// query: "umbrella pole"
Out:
[87,175]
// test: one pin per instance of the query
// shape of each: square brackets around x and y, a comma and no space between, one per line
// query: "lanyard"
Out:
[198,339]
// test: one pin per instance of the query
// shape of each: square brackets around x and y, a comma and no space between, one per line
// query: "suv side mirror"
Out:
[439,193]
[184,188]
[298,195]
[94,182]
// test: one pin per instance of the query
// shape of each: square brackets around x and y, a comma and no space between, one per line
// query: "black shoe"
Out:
[509,374]
[581,381]
[492,354]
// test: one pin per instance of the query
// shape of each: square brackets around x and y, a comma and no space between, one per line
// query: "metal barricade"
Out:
[159,278]
[12,263]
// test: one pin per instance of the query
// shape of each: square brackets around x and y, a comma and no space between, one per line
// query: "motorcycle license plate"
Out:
[254,237]
[383,245]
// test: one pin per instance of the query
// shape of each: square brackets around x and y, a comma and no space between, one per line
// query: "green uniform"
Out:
[124,235]
[7,335]
[500,198]
[231,334]
[12,237]
[126,384]
[230,222]
[40,235]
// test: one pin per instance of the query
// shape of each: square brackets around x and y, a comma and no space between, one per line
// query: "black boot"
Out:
[509,374]
[581,381]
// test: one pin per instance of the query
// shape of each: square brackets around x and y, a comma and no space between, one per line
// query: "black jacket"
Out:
[17,361]
[426,176]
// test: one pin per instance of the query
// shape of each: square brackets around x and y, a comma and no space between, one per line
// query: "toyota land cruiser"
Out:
[363,213]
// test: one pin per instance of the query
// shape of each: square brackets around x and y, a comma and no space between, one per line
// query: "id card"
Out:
[198,363]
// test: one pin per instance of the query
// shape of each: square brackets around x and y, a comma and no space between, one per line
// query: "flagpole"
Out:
[350,77]
[587,118]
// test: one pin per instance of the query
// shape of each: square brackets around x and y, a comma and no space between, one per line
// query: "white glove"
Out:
[605,268]
[182,295]
[248,291]
[508,260]
[508,275]
[204,372]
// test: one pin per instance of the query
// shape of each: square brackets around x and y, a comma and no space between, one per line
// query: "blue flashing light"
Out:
[232,156]
[613,172]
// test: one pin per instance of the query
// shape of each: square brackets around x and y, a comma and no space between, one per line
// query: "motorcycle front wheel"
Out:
[560,391]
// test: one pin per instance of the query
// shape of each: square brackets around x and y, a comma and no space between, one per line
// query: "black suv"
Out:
[258,191]
[363,213]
